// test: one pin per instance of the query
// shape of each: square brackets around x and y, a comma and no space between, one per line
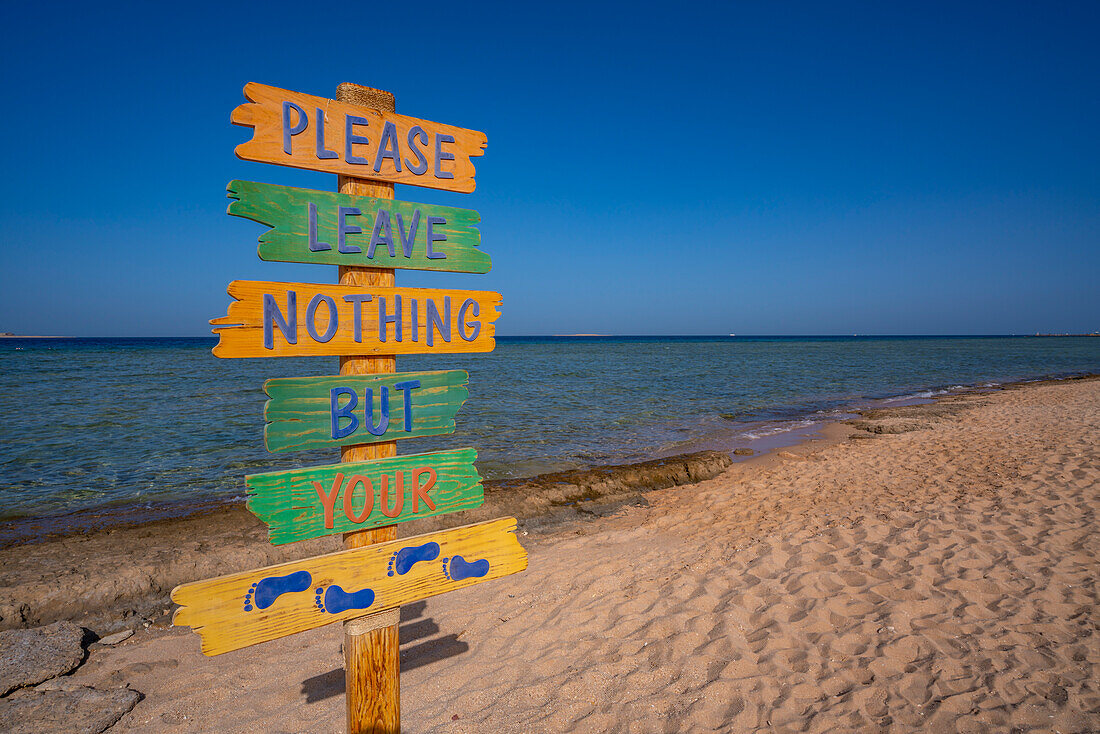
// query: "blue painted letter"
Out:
[407,242]
[387,148]
[311,318]
[443,326]
[350,138]
[357,300]
[440,155]
[462,323]
[422,163]
[383,319]
[290,130]
[321,151]
[274,318]
[381,220]
[344,229]
[407,387]
[314,245]
[348,411]
[433,237]
[384,419]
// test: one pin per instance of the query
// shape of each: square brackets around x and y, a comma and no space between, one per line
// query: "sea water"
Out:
[129,424]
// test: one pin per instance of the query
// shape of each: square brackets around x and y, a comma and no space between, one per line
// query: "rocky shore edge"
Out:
[119,577]
[36,694]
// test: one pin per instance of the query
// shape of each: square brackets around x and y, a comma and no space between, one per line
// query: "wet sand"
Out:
[930,568]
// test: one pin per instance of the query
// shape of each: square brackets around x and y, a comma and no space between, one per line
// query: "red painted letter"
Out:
[368,503]
[421,493]
[328,501]
[399,500]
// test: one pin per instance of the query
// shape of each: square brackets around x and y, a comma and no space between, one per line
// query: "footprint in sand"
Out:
[403,560]
[264,592]
[458,568]
[335,600]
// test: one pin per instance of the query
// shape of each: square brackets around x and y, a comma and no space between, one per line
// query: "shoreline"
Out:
[105,577]
[921,568]
[763,436]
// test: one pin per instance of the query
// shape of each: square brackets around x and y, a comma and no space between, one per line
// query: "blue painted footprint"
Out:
[403,560]
[264,592]
[335,600]
[458,568]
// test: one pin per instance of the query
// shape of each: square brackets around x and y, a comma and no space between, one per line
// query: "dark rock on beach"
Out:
[550,499]
[743,452]
[889,425]
[31,656]
[907,418]
[588,484]
[116,638]
[68,708]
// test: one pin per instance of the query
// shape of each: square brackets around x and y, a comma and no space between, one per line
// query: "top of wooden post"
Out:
[377,99]
[365,96]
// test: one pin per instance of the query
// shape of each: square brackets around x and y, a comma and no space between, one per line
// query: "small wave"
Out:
[775,430]
[927,394]
[922,395]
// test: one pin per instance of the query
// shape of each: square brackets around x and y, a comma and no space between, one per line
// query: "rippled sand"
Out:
[941,578]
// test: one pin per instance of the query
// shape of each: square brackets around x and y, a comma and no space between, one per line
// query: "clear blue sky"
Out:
[758,168]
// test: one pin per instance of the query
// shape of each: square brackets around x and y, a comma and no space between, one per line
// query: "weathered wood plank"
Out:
[304,131]
[269,319]
[361,231]
[298,504]
[242,609]
[318,412]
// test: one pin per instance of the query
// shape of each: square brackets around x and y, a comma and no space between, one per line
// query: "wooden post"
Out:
[371,652]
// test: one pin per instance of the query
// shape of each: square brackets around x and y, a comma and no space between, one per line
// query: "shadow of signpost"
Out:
[332,683]
[413,611]
[323,686]
[418,630]
[432,651]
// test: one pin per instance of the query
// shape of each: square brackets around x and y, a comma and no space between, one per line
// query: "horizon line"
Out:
[607,336]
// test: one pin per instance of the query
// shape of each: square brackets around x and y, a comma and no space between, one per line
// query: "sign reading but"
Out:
[315,412]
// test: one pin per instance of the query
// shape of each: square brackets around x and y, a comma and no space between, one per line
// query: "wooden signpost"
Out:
[365,320]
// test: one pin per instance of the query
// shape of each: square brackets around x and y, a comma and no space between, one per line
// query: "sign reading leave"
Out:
[269,319]
[359,231]
[303,131]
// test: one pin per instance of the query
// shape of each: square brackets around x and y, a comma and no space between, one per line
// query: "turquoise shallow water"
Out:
[91,423]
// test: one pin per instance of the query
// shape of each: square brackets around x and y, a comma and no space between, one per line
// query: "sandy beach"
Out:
[926,568]
[411,381]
